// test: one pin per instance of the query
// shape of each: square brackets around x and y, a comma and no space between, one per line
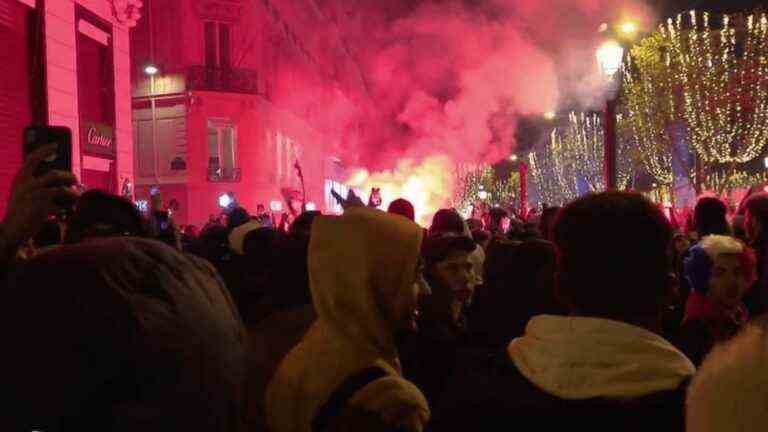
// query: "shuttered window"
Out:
[15,111]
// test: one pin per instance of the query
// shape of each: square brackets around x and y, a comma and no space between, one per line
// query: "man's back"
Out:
[490,394]
[571,371]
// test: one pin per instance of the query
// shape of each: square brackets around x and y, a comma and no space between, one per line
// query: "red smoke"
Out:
[407,80]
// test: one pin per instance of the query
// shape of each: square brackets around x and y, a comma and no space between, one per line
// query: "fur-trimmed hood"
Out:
[730,392]
[583,358]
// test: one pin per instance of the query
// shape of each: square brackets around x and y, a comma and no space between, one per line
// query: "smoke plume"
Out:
[450,78]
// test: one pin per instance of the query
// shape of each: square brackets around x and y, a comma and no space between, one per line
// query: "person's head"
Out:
[709,217]
[364,275]
[100,214]
[547,221]
[613,256]
[482,238]
[474,224]
[680,243]
[739,229]
[519,284]
[259,243]
[402,207]
[134,337]
[446,221]
[722,268]
[449,272]
[500,221]
[728,392]
[212,243]
[191,231]
[302,225]
[756,217]
[260,209]
[236,217]
[157,203]
[50,235]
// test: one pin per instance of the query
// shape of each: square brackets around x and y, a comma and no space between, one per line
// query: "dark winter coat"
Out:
[570,373]
[121,334]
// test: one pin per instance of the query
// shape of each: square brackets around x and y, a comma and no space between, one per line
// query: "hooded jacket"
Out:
[728,394]
[358,263]
[582,358]
[575,373]
[123,335]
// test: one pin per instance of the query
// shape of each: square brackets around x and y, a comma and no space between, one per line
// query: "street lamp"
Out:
[609,57]
[151,69]
[628,29]
[765,162]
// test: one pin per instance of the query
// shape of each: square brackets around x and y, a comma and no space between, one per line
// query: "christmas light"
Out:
[575,151]
[715,80]
[479,186]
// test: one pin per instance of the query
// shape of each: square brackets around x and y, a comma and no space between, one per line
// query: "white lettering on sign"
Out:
[95,138]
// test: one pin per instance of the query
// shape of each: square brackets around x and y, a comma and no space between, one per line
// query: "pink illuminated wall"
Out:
[62,77]
[261,48]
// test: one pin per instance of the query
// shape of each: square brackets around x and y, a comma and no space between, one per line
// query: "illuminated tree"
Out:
[554,173]
[583,142]
[648,84]
[724,78]
[478,185]
[712,75]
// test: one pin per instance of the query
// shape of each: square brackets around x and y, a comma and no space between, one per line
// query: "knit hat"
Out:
[698,265]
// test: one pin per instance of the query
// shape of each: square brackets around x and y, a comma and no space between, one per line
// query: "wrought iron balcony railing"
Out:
[222,80]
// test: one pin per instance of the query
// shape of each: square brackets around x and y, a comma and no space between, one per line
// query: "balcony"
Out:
[222,80]
[217,173]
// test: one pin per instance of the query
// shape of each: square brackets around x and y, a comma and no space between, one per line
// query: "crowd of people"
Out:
[598,315]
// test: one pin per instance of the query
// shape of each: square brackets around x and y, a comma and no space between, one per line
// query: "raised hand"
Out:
[33,199]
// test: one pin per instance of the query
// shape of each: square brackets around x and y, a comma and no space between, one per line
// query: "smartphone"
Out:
[40,136]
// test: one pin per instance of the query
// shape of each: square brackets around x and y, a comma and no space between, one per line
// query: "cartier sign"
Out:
[98,139]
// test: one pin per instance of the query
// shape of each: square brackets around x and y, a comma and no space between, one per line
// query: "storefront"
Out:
[67,63]
[96,100]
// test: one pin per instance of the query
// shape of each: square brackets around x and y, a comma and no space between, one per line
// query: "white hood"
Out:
[582,358]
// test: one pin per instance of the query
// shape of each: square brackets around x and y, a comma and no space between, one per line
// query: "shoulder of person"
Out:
[355,419]
[395,401]
[486,381]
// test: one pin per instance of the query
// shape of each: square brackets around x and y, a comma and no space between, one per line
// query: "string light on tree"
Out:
[724,76]
[480,186]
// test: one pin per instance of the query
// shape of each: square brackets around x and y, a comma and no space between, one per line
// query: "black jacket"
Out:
[490,394]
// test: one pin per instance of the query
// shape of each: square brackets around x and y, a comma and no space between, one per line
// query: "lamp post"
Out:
[522,170]
[609,57]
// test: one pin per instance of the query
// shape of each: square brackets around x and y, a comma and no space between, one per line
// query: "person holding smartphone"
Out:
[36,193]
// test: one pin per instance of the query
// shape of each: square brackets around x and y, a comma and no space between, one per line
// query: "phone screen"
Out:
[36,137]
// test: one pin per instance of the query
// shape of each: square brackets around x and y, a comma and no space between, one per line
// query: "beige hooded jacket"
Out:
[358,263]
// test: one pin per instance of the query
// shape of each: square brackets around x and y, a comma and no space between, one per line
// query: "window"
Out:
[217,45]
[222,151]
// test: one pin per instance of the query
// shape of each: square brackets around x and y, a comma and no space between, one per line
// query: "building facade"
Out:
[213,119]
[67,63]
